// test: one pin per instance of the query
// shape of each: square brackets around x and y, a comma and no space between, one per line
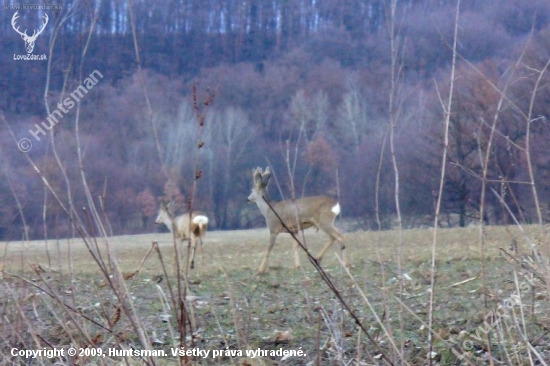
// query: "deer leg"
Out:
[179,250]
[202,252]
[340,240]
[296,255]
[322,252]
[316,224]
[193,249]
[343,253]
[334,236]
[263,266]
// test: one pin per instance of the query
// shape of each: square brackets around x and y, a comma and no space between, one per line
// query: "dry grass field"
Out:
[232,308]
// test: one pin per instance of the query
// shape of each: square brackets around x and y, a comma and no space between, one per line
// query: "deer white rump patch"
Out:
[200,220]
[336,209]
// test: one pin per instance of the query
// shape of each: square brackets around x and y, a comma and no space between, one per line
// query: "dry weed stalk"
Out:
[395,103]
[447,112]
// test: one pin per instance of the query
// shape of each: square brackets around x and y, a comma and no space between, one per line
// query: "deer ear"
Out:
[257,175]
[168,206]
[266,176]
[162,202]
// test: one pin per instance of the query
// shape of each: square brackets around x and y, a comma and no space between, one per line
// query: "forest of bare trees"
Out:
[305,82]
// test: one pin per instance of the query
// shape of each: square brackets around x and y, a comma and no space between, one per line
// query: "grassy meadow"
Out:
[230,307]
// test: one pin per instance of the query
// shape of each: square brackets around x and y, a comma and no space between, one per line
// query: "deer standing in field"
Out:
[318,211]
[193,228]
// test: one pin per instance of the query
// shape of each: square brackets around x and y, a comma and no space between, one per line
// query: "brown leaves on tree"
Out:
[320,155]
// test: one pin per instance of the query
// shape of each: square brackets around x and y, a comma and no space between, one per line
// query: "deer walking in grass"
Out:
[318,211]
[193,228]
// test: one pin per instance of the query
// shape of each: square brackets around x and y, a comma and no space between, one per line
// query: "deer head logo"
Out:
[29,40]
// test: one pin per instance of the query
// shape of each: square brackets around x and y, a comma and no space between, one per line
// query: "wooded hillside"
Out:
[308,80]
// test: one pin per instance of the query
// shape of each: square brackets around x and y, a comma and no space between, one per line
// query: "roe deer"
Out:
[194,228]
[317,211]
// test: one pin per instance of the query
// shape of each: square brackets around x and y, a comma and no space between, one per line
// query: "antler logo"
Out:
[29,40]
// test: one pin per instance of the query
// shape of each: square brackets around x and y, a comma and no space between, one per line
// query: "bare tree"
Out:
[309,113]
[232,136]
[447,112]
[177,138]
[353,116]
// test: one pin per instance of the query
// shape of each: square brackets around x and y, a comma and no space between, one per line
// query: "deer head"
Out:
[164,215]
[260,181]
[29,40]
